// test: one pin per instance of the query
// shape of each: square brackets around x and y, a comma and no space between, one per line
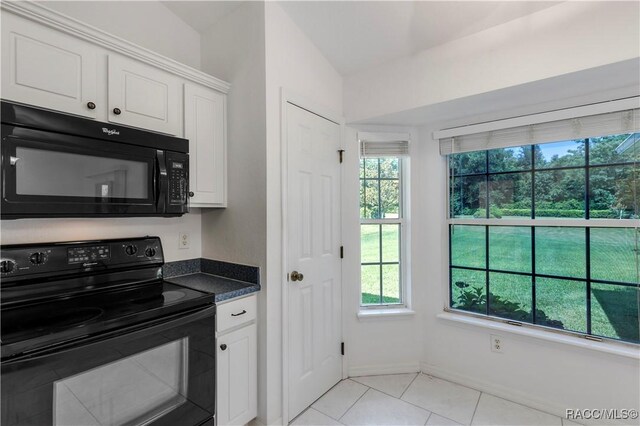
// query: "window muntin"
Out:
[381,231]
[535,268]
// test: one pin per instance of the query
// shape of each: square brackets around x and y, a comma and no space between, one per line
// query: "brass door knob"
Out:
[296,276]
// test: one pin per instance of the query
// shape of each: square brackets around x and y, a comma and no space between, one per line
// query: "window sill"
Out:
[384,313]
[620,349]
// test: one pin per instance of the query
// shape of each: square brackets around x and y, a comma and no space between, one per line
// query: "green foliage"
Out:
[474,299]
[494,213]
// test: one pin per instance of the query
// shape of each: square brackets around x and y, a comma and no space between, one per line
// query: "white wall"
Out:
[147,23]
[547,375]
[23,231]
[234,50]
[295,64]
[565,38]
[144,23]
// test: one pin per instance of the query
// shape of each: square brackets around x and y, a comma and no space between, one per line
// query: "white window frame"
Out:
[403,221]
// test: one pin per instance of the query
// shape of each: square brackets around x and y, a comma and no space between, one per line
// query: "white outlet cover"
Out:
[183,240]
[497,341]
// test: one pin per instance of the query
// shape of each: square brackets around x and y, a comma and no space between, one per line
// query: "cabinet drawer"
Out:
[237,312]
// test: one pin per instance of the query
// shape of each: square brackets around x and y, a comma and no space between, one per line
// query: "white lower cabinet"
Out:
[237,371]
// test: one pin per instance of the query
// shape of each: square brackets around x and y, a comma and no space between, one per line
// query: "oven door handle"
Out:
[159,325]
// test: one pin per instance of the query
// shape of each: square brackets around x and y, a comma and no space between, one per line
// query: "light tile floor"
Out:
[417,399]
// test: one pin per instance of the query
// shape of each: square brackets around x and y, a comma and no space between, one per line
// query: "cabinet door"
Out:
[205,127]
[47,68]
[237,384]
[143,96]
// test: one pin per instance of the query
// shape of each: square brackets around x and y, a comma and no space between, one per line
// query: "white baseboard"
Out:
[504,392]
[377,370]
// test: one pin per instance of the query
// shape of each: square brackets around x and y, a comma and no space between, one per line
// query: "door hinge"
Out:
[341,252]
[342,348]
[341,152]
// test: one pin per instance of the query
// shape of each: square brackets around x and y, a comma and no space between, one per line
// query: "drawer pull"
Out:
[240,313]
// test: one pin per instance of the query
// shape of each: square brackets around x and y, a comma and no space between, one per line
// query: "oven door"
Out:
[160,374]
[46,174]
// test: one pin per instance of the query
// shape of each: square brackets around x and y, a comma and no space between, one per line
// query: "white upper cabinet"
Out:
[204,126]
[144,96]
[48,68]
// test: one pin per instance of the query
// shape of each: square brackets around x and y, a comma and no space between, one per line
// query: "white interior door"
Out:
[313,216]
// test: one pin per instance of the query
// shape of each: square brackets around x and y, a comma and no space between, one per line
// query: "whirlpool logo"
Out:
[110,132]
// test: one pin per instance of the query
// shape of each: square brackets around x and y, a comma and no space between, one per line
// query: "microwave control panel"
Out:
[178,180]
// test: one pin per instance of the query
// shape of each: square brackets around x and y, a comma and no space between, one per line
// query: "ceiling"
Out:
[202,15]
[355,35]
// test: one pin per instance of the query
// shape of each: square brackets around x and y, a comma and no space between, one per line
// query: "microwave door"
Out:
[47,174]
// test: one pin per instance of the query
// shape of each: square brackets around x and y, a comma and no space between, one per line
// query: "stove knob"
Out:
[7,266]
[37,258]
[150,252]
[131,249]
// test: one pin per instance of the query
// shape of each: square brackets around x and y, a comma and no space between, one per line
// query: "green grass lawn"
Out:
[370,274]
[562,252]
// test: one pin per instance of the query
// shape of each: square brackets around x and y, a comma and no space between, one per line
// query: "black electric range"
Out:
[76,315]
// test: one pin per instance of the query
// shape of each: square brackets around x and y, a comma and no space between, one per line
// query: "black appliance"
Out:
[92,335]
[58,165]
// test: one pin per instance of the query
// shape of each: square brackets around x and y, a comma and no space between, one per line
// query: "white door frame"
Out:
[289,97]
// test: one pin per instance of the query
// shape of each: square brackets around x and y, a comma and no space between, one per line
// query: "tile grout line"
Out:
[407,388]
[476,409]
[356,401]
[428,417]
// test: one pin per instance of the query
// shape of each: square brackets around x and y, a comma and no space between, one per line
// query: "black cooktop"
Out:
[49,324]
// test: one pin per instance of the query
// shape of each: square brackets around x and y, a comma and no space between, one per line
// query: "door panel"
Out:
[146,96]
[204,126]
[44,67]
[315,362]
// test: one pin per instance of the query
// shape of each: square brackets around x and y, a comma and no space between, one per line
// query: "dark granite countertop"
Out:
[223,288]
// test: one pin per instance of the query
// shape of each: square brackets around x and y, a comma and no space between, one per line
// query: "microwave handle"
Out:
[162,179]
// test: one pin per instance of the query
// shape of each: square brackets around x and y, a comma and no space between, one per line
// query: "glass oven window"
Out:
[63,174]
[131,391]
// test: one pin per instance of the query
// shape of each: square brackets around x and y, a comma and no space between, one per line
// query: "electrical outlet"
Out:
[184,240]
[497,343]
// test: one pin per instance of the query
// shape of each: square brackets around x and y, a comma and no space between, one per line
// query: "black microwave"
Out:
[58,165]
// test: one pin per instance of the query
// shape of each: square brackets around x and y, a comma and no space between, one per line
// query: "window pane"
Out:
[615,149]
[510,248]
[370,243]
[371,168]
[468,246]
[560,193]
[510,195]
[614,311]
[468,290]
[370,281]
[469,197]
[561,304]
[390,199]
[468,163]
[389,168]
[510,296]
[391,243]
[510,159]
[561,251]
[390,284]
[559,154]
[614,192]
[370,201]
[613,254]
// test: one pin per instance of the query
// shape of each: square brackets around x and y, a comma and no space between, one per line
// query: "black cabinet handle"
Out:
[91,105]
[223,347]
[240,313]
[117,111]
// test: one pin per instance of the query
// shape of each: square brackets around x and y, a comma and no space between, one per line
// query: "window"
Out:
[548,234]
[382,224]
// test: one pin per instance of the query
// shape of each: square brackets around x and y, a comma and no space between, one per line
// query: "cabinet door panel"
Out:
[44,67]
[237,377]
[147,97]
[205,118]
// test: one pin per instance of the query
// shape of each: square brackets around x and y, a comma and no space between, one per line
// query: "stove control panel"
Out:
[26,260]
[88,254]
